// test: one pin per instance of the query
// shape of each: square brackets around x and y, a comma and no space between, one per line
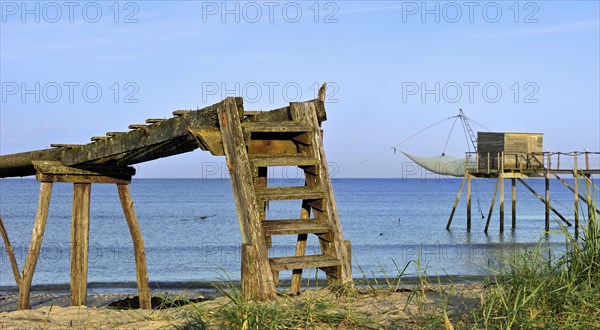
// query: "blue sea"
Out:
[191,230]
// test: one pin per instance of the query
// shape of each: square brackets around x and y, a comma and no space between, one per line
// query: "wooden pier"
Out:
[518,166]
[251,141]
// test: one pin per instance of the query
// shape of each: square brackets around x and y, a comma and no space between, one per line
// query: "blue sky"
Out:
[148,58]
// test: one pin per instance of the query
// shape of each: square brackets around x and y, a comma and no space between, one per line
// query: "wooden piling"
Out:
[138,246]
[513,183]
[487,223]
[576,194]
[456,202]
[547,197]
[34,246]
[501,178]
[80,231]
[469,182]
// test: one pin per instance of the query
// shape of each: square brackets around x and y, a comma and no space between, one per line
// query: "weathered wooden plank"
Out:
[80,233]
[301,242]
[115,133]
[208,139]
[63,145]
[178,113]
[141,271]
[291,160]
[295,226]
[10,253]
[289,193]
[34,246]
[137,126]
[313,261]
[243,188]
[99,138]
[275,127]
[154,120]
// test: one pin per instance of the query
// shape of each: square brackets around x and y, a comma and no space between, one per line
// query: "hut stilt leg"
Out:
[456,202]
[501,181]
[80,232]
[138,246]
[487,223]
[469,183]
[576,201]
[547,206]
[513,183]
[34,246]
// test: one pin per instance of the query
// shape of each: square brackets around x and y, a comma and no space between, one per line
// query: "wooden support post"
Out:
[35,244]
[249,272]
[10,253]
[242,183]
[456,202]
[501,178]
[469,181]
[513,183]
[80,231]
[138,246]
[547,197]
[588,197]
[576,194]
[300,250]
[487,223]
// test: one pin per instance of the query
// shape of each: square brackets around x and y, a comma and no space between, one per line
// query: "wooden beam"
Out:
[208,139]
[34,246]
[138,246]
[15,165]
[154,120]
[118,147]
[544,201]
[80,238]
[584,199]
[10,253]
[54,171]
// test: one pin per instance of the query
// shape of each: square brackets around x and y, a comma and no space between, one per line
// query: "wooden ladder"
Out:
[252,142]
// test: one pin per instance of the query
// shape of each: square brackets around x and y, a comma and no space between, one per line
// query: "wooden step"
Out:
[275,127]
[295,226]
[288,193]
[267,160]
[315,261]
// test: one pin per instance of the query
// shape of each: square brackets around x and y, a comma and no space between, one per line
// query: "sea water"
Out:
[191,230]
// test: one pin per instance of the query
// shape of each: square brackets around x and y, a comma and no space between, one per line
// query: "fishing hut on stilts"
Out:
[518,156]
[251,141]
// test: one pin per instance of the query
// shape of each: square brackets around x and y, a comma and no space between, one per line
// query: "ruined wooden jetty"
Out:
[251,141]
[517,156]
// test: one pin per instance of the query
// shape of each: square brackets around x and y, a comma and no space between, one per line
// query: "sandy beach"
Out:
[376,308]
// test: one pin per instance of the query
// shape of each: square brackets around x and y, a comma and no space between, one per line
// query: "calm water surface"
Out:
[191,229]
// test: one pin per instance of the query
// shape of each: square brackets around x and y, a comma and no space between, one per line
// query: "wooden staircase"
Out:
[255,141]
